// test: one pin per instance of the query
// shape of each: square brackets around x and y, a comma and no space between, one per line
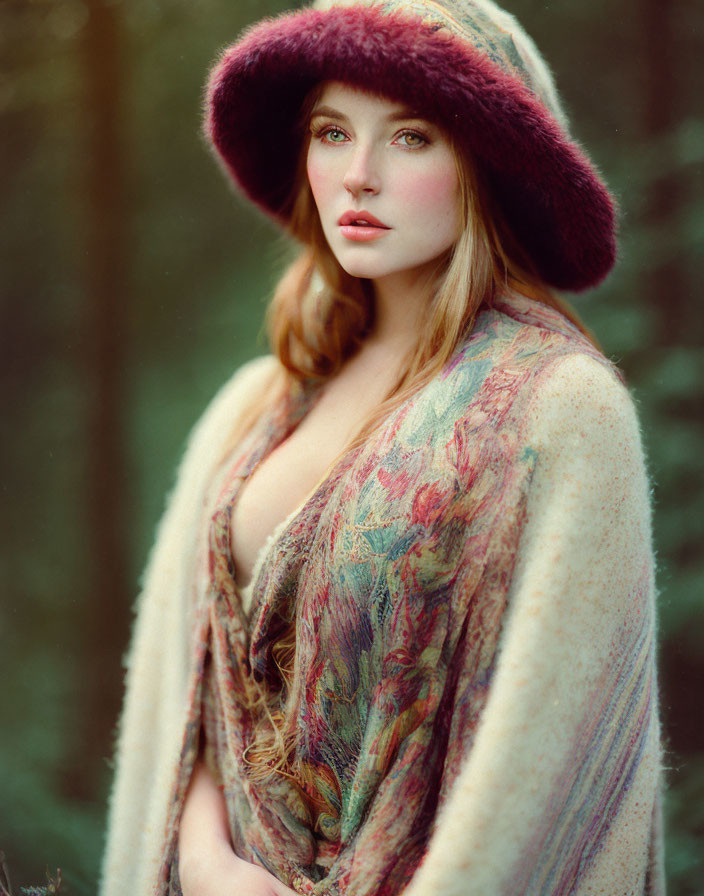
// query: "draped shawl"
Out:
[407,574]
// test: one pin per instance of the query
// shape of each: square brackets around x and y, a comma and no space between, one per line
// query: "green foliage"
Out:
[53,883]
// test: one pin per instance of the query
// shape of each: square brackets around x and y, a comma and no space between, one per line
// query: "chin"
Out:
[365,268]
[363,271]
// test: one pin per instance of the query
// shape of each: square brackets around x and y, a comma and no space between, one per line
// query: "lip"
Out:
[363,234]
[372,229]
[349,218]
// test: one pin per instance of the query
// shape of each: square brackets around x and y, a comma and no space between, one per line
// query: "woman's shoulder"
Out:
[580,395]
[532,356]
[530,370]
[535,333]
[566,379]
[246,382]
[233,401]
[584,430]
[246,385]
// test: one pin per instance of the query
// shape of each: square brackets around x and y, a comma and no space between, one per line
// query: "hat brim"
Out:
[550,194]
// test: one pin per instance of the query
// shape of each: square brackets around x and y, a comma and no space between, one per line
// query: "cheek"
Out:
[320,178]
[434,194]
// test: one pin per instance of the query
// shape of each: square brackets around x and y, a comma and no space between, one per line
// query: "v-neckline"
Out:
[282,421]
[281,527]
[285,421]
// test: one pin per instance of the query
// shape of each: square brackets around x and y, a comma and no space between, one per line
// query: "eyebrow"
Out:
[329,112]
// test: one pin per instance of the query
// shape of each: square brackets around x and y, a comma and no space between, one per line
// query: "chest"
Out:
[284,481]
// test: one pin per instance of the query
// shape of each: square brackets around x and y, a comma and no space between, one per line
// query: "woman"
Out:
[399,618]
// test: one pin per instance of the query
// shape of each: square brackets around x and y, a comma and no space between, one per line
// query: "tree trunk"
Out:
[106,292]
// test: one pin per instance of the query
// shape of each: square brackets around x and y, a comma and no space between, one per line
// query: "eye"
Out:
[334,135]
[329,134]
[411,139]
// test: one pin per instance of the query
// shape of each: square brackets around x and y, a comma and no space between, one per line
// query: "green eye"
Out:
[335,136]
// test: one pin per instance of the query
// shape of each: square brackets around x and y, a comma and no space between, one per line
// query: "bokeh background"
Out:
[134,282]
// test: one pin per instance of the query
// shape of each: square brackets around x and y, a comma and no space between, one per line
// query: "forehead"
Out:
[351,100]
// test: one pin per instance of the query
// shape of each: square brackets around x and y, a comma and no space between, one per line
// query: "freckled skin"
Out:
[400,170]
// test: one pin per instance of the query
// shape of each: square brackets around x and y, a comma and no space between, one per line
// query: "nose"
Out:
[362,175]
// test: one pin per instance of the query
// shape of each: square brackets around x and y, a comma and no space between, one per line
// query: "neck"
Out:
[400,303]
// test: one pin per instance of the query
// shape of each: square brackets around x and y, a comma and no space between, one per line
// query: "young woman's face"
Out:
[385,183]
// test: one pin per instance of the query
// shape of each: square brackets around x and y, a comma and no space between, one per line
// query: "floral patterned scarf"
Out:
[396,572]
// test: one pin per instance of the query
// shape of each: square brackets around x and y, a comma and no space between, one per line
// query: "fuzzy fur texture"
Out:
[153,717]
[551,195]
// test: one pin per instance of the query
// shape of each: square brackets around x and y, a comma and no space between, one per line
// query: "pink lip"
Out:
[363,234]
[349,218]
[352,228]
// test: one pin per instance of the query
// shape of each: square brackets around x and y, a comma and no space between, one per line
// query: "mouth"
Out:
[361,227]
[361,219]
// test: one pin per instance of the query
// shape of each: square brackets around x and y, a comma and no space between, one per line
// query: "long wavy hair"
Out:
[320,315]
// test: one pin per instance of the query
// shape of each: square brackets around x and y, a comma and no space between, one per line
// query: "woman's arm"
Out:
[208,866]
[559,790]
[204,836]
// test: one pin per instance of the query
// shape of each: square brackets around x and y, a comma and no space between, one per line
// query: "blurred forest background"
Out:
[134,282]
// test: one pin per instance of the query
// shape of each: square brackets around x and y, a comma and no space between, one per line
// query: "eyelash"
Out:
[326,129]
[322,131]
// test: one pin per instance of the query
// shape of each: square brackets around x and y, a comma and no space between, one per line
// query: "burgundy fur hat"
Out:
[467,65]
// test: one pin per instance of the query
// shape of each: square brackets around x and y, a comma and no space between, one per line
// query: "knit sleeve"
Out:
[559,793]
[152,721]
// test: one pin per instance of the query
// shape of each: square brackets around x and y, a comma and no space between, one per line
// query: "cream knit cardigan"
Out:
[587,530]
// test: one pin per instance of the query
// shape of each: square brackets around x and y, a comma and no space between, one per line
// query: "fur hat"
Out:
[467,65]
